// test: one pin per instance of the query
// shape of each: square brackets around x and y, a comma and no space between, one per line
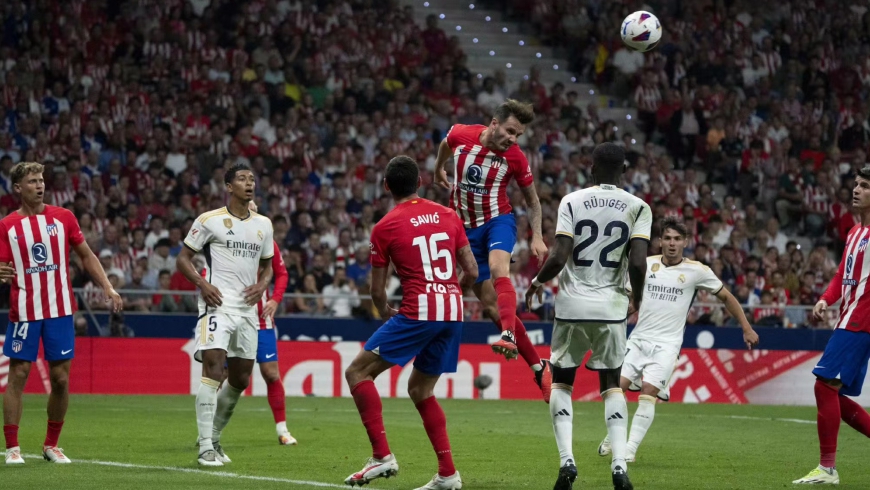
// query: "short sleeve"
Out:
[380,256]
[521,169]
[643,223]
[451,135]
[267,252]
[198,236]
[5,247]
[565,223]
[71,225]
[708,281]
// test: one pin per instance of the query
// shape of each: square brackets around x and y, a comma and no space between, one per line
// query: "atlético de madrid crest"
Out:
[51,230]
[228,223]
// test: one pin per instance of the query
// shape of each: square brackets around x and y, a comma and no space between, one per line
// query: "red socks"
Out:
[277,400]
[11,434]
[525,346]
[435,424]
[368,403]
[53,433]
[855,415]
[507,302]
[828,423]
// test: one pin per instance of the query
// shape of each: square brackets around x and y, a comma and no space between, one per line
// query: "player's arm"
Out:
[552,267]
[736,311]
[465,258]
[833,293]
[7,268]
[95,270]
[637,271]
[537,246]
[210,294]
[444,153]
[281,280]
[380,275]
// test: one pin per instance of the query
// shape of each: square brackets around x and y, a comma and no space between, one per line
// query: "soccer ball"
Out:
[641,31]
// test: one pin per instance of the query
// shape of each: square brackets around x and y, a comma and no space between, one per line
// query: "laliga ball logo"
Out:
[641,31]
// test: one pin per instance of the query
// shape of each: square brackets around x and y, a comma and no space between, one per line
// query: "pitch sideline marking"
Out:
[223,474]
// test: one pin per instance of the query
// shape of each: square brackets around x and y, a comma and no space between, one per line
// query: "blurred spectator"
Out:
[341,296]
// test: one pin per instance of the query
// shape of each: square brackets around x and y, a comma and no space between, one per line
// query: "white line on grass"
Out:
[222,474]
[744,417]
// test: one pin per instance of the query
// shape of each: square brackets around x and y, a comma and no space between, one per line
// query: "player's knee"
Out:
[59,382]
[564,376]
[352,375]
[270,375]
[419,393]
[18,373]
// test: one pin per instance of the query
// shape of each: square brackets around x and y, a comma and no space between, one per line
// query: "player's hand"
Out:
[270,309]
[254,293]
[820,309]
[211,295]
[632,307]
[115,298]
[750,338]
[533,292]
[441,179]
[7,272]
[537,248]
[388,313]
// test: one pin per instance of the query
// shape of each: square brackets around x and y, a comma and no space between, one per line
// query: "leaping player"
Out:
[654,346]
[487,158]
[841,371]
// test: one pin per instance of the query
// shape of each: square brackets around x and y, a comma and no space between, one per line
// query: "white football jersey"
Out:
[668,293]
[233,248]
[601,220]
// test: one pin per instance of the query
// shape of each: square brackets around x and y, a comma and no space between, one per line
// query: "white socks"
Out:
[206,403]
[563,421]
[226,404]
[643,417]
[616,419]
[281,428]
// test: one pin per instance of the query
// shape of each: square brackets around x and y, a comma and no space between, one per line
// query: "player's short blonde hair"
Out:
[23,169]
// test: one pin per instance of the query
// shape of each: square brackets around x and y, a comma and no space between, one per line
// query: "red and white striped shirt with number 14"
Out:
[39,248]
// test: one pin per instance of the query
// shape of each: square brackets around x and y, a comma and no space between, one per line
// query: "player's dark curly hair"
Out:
[672,223]
[401,176]
[232,171]
[524,112]
[864,173]
[608,162]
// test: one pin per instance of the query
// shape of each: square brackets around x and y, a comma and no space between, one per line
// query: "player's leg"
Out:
[267,358]
[58,339]
[657,372]
[501,236]
[837,372]
[395,343]
[21,347]
[439,356]
[608,355]
[629,380]
[569,346]
[488,299]
[212,340]
[241,353]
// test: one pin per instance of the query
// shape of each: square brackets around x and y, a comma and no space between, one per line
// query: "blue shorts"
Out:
[845,358]
[499,233]
[57,334]
[267,345]
[434,344]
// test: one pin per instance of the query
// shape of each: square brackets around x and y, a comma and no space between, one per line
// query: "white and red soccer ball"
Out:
[641,31]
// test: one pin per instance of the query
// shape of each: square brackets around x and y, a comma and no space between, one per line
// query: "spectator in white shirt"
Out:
[341,296]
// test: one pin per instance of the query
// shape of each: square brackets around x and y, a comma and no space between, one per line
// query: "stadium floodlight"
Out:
[509,65]
[504,29]
[555,67]
[522,43]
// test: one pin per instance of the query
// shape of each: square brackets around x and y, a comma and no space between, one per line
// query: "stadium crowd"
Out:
[749,127]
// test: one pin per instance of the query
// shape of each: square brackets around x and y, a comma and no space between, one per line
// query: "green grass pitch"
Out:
[121,442]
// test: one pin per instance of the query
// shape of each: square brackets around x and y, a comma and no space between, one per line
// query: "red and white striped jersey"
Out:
[281,279]
[39,247]
[482,176]
[422,239]
[647,99]
[850,283]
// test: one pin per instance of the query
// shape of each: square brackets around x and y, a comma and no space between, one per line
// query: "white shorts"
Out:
[650,362]
[572,340]
[237,335]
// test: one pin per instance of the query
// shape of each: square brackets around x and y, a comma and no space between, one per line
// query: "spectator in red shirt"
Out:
[434,39]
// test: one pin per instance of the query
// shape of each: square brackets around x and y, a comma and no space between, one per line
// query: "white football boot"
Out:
[439,482]
[820,476]
[286,439]
[55,455]
[374,468]
[604,448]
[13,456]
